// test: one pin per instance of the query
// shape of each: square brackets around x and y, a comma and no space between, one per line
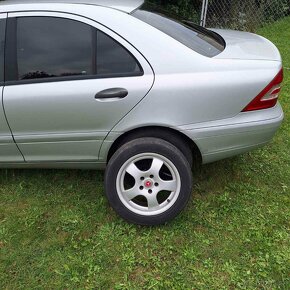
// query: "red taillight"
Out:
[269,96]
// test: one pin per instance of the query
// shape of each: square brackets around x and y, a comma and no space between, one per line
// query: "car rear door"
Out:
[69,80]
[8,149]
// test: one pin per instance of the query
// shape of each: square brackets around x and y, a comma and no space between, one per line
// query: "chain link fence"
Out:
[233,14]
[242,14]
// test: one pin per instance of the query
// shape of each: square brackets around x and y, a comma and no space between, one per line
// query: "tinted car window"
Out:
[53,47]
[112,58]
[197,38]
[2,43]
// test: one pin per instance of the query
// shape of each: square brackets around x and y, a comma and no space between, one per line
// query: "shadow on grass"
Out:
[205,178]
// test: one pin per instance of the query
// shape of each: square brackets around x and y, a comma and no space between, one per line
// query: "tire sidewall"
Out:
[148,145]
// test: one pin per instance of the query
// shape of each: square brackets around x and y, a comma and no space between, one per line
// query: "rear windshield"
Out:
[197,38]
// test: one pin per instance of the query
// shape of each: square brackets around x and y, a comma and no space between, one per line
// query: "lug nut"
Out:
[151,176]
[150,191]
[141,187]
[156,184]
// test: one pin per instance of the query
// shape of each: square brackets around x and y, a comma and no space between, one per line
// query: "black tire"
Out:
[165,135]
[153,146]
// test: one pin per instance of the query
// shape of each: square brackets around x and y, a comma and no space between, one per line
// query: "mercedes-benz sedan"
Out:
[118,85]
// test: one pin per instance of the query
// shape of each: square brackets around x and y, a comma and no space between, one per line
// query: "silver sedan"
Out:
[121,85]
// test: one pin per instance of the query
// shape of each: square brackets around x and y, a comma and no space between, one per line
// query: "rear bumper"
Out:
[221,139]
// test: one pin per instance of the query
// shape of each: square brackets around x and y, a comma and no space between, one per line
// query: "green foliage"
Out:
[247,14]
[272,10]
[186,9]
[241,15]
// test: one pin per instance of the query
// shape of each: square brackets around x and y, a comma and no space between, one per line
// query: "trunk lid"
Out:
[247,46]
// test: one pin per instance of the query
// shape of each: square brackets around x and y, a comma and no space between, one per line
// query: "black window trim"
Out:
[2,80]
[11,70]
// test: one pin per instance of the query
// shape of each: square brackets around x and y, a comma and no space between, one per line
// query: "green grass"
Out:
[58,232]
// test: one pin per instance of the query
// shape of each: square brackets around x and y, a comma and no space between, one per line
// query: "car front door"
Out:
[8,149]
[68,81]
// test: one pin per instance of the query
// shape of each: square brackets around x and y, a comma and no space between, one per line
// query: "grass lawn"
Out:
[57,231]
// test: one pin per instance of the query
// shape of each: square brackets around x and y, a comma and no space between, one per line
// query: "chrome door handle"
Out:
[114,93]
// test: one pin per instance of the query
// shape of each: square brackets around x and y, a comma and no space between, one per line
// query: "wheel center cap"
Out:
[148,183]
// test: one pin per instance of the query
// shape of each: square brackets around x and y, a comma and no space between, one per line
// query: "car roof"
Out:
[124,5]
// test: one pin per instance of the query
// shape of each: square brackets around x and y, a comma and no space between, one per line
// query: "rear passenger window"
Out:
[50,47]
[2,43]
[112,58]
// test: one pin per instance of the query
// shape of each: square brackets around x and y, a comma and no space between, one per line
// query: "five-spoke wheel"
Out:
[148,181]
[148,184]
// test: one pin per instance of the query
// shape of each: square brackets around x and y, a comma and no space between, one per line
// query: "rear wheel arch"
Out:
[175,137]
